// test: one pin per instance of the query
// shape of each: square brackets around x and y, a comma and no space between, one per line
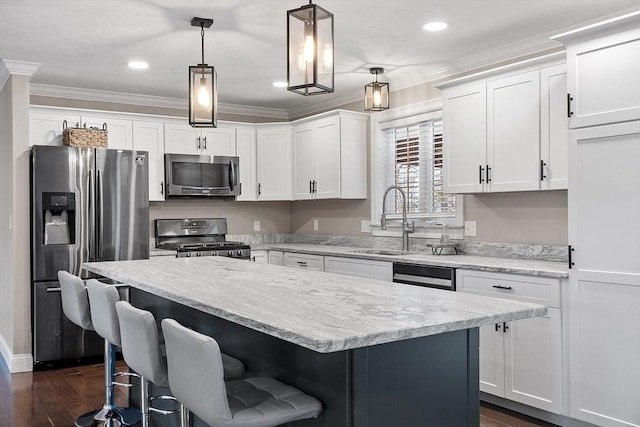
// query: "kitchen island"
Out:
[376,354]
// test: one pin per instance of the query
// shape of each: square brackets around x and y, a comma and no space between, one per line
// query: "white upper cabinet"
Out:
[181,138]
[330,156]
[504,132]
[465,133]
[553,128]
[45,126]
[149,136]
[274,155]
[603,63]
[513,133]
[119,131]
[246,150]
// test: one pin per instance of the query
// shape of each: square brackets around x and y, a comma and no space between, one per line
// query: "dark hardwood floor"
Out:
[56,397]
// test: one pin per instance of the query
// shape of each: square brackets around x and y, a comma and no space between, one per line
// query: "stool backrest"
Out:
[196,374]
[75,301]
[140,343]
[103,298]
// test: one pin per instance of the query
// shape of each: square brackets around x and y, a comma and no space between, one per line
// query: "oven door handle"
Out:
[422,280]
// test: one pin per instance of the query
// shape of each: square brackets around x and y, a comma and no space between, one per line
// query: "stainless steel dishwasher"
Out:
[425,275]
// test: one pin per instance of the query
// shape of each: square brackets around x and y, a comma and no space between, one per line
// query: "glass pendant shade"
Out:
[203,96]
[376,94]
[203,87]
[310,50]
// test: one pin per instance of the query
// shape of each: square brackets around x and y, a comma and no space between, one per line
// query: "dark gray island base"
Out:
[425,381]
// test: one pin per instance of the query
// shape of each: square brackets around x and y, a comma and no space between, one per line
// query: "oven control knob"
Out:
[239,252]
[214,253]
[198,253]
[188,254]
[230,253]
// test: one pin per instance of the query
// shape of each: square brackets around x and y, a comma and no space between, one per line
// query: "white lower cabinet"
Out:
[378,270]
[520,360]
[304,261]
[260,257]
[276,257]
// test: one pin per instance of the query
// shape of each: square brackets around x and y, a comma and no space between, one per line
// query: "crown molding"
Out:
[148,100]
[20,68]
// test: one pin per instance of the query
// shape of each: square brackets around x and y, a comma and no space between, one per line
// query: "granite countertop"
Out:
[470,262]
[161,252]
[321,311]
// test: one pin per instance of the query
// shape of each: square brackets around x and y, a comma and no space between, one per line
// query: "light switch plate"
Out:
[256,225]
[470,228]
[315,225]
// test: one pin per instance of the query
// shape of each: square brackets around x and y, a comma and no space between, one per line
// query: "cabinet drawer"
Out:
[379,270]
[276,257]
[307,262]
[537,290]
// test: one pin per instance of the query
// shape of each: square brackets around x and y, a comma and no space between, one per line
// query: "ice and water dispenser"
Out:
[59,215]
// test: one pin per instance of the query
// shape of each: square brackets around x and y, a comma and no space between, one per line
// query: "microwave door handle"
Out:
[232,175]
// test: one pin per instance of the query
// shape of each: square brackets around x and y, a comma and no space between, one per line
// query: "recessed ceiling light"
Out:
[434,26]
[279,84]
[138,65]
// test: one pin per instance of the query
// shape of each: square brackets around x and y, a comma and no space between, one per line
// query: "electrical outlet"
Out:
[315,225]
[470,228]
[256,225]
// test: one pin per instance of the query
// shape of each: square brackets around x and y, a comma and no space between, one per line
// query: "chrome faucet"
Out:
[406,227]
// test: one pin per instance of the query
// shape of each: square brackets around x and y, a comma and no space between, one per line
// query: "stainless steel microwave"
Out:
[201,176]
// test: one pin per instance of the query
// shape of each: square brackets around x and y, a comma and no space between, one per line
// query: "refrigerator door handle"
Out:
[91,235]
[100,217]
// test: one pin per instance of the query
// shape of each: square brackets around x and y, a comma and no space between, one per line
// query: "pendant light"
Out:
[310,50]
[203,87]
[376,94]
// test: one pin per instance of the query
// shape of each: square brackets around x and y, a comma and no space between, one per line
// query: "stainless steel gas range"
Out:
[198,237]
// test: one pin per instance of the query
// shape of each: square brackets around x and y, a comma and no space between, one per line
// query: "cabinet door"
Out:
[274,162]
[149,136]
[492,359]
[276,258]
[378,270]
[45,128]
[465,138]
[353,157]
[603,77]
[304,261]
[218,141]
[181,139]
[327,142]
[304,161]
[513,133]
[246,147]
[533,361]
[119,132]
[554,145]
[604,283]
[259,257]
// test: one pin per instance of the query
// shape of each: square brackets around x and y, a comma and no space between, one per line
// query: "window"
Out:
[412,159]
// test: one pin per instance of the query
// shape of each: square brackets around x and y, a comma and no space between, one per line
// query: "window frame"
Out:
[425,224]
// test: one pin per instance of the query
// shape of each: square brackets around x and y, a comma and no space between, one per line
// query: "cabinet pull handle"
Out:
[504,327]
[302,263]
[488,174]
[508,288]
[571,263]
[198,143]
[253,259]
[162,187]
[259,189]
[315,186]
[542,165]
[569,99]
[480,174]
[497,327]
[310,187]
[205,142]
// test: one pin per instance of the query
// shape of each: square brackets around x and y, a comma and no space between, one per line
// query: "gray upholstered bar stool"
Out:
[196,380]
[102,298]
[75,305]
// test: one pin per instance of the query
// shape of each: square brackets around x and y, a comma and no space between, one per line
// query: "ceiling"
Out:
[87,43]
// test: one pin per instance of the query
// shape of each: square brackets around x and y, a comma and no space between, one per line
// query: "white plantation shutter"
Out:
[412,159]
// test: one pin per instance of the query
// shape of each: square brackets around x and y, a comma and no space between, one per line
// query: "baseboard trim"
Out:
[560,420]
[15,362]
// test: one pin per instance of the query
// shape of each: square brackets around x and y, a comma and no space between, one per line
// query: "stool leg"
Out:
[184,416]
[144,401]
[107,412]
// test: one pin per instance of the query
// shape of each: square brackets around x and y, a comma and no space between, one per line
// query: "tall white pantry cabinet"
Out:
[603,106]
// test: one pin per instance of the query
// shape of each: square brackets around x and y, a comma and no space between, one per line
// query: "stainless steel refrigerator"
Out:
[86,205]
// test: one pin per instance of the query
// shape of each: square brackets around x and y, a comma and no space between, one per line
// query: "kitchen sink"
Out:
[379,252]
